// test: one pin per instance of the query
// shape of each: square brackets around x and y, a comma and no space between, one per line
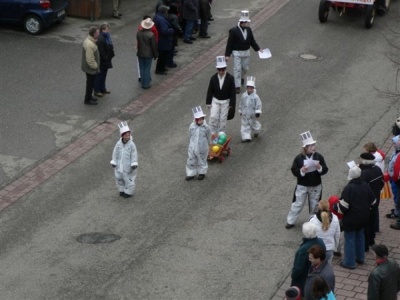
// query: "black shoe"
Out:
[201,176]
[91,102]
[106,92]
[205,36]
[192,38]
[94,99]
[337,253]
[188,178]
[119,14]
[127,196]
[139,79]
[188,41]
[392,215]
[395,226]
[360,262]
[116,17]
[122,194]
[246,141]
[288,226]
[211,19]
[161,73]
[344,266]
[256,135]
[146,87]
[174,65]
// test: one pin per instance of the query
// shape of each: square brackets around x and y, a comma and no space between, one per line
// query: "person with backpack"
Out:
[394,173]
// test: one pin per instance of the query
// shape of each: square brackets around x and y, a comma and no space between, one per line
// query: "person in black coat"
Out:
[221,96]
[240,40]
[355,203]
[106,51]
[373,176]
[307,167]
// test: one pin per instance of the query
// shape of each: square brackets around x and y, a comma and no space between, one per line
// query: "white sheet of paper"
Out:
[265,54]
[351,164]
[310,164]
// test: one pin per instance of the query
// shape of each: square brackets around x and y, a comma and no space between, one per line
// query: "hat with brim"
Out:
[147,23]
[244,16]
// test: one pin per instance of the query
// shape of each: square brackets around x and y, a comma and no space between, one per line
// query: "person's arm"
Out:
[210,92]
[373,287]
[232,91]
[229,45]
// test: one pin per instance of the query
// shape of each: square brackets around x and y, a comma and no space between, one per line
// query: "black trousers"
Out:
[90,81]
[162,60]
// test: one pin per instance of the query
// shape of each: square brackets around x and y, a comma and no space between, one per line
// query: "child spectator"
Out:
[200,139]
[250,110]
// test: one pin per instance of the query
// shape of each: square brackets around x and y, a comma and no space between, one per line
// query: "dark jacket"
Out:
[106,52]
[325,271]
[373,176]
[301,264]
[237,42]
[355,203]
[227,91]
[205,10]
[190,10]
[165,32]
[384,281]
[146,44]
[311,178]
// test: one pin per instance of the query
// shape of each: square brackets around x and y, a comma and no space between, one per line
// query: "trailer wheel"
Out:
[323,12]
[370,16]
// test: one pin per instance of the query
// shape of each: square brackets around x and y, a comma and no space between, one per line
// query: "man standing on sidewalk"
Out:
[384,280]
[116,14]
[239,42]
[90,64]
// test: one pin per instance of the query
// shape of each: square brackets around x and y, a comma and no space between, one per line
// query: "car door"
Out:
[12,10]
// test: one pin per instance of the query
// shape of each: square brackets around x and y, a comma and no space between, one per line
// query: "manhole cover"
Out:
[97,238]
[308,56]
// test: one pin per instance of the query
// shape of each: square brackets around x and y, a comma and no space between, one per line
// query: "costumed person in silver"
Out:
[125,162]
[250,110]
[240,40]
[200,139]
[308,167]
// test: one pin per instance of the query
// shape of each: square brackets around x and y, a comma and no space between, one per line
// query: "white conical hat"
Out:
[251,81]
[123,127]
[220,62]
[198,112]
[307,139]
[244,16]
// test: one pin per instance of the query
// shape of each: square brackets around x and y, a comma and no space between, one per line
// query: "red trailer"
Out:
[370,7]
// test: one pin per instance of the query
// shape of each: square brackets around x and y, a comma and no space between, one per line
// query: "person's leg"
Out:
[100,81]
[116,4]
[329,256]
[130,179]
[297,206]
[202,164]
[255,126]
[214,117]
[223,115]
[245,61]
[147,72]
[203,28]
[90,80]
[103,86]
[314,194]
[359,246]
[161,61]
[191,164]
[119,181]
[245,129]
[138,68]
[349,260]
[237,70]
[188,30]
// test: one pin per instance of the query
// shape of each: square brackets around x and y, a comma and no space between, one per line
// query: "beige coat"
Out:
[90,56]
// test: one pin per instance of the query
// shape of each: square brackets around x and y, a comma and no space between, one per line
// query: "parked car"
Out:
[34,15]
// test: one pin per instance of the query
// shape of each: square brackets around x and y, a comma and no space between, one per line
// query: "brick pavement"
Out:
[353,284]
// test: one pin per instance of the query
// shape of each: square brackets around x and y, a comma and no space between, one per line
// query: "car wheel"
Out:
[33,24]
[383,6]
[370,16]
[323,12]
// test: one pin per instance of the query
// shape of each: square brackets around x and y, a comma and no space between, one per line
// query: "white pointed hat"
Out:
[123,127]
[307,139]
[244,16]
[251,81]
[220,62]
[198,112]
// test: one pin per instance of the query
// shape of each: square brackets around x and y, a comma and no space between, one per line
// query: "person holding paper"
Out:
[308,167]
[239,41]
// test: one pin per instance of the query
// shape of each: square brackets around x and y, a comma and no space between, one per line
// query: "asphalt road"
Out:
[223,238]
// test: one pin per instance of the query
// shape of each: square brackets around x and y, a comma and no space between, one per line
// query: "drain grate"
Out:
[97,238]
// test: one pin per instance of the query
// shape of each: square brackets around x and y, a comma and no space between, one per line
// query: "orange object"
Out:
[386,192]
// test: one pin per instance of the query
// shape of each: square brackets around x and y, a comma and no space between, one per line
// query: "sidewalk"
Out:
[353,284]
